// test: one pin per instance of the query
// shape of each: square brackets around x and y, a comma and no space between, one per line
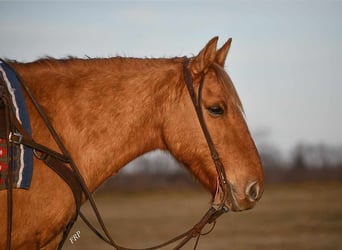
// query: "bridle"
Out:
[224,187]
[63,164]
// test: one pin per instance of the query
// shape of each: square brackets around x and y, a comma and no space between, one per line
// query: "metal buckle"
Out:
[15,137]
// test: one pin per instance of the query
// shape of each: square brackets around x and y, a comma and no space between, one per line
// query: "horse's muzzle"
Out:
[239,202]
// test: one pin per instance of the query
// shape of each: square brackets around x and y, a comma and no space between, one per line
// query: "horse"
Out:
[109,111]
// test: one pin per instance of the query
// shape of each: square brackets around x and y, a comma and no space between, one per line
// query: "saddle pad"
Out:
[23,157]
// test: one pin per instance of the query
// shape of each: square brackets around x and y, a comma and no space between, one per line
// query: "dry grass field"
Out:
[293,216]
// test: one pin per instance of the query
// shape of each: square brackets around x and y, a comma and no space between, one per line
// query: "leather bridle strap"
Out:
[223,182]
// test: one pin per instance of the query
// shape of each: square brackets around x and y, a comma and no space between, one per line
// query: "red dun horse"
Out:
[110,111]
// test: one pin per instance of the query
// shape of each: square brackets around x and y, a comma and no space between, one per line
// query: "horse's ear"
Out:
[222,53]
[205,58]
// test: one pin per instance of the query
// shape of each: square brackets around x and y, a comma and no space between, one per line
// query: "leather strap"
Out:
[3,123]
[68,176]
[22,137]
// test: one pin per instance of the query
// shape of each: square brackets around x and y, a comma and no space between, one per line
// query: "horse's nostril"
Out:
[252,191]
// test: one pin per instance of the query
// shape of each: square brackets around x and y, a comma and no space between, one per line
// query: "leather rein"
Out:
[64,165]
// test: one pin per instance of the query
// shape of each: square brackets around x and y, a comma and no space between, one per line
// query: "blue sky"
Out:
[285,59]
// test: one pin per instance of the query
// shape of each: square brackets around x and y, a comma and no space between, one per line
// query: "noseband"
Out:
[73,178]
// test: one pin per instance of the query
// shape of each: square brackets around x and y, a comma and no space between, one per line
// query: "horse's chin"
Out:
[235,207]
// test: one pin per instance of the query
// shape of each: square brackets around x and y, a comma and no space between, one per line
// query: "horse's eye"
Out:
[215,110]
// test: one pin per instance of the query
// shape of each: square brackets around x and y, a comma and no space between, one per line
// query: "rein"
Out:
[63,164]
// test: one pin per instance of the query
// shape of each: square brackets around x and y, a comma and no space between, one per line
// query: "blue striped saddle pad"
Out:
[22,155]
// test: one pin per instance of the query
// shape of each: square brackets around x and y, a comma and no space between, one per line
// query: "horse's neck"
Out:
[107,113]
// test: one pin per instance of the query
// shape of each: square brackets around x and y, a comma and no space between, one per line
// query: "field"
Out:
[293,216]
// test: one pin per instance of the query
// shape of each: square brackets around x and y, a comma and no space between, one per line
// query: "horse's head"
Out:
[224,119]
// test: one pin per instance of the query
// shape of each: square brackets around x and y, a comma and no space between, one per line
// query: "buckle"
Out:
[15,137]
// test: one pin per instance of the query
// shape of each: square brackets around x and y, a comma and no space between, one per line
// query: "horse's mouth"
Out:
[232,201]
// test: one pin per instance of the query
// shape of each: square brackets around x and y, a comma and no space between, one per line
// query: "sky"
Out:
[285,59]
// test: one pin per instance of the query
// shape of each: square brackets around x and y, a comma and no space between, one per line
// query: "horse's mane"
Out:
[52,61]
